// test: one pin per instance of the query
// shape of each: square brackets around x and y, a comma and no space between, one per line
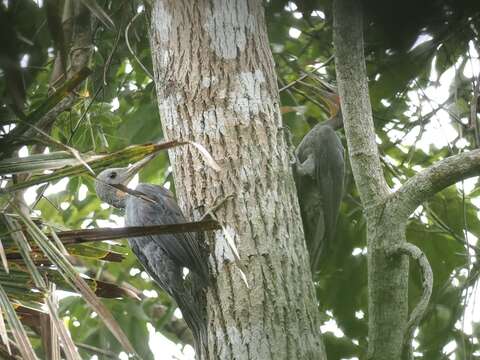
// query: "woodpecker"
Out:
[319,172]
[163,256]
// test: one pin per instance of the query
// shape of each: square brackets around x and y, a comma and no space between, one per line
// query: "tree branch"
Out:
[88,235]
[427,284]
[434,179]
[387,277]
[355,101]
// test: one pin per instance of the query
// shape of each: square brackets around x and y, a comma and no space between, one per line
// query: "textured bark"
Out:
[216,85]
[387,275]
[387,286]
[434,179]
[388,331]
[355,102]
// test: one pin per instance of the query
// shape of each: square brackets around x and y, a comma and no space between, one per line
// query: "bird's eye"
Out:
[112,175]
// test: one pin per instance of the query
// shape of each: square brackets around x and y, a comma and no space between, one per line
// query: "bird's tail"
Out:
[329,175]
[192,303]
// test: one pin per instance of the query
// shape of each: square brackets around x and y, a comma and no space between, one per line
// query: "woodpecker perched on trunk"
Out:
[162,256]
[319,172]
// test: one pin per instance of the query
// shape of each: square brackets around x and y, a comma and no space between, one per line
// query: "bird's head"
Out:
[109,182]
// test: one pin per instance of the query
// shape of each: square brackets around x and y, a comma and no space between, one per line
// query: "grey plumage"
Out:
[319,176]
[182,248]
[163,256]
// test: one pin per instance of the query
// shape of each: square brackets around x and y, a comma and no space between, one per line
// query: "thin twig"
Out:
[130,47]
[71,150]
[110,57]
[75,128]
[293,83]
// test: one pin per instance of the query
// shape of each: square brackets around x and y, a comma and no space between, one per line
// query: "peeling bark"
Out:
[216,85]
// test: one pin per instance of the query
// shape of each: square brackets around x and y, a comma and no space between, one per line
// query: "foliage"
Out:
[116,107]
[403,75]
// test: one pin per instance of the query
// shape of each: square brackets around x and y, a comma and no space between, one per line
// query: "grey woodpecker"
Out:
[162,256]
[319,172]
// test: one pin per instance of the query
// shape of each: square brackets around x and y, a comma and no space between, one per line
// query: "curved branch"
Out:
[355,101]
[427,284]
[127,41]
[434,179]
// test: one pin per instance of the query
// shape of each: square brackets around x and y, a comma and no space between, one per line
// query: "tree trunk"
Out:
[216,85]
[387,275]
[387,286]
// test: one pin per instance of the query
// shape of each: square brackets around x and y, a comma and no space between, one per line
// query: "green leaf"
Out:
[25,250]
[38,162]
[72,276]
[128,155]
[59,326]
[66,88]
[19,333]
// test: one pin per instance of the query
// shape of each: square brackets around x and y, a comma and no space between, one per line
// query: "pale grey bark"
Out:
[355,102]
[390,330]
[434,179]
[427,283]
[216,86]
[387,276]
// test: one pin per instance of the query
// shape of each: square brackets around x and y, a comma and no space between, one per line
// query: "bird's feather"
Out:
[163,256]
[319,178]
[183,248]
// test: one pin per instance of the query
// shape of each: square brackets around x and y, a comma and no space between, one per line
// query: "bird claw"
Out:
[307,168]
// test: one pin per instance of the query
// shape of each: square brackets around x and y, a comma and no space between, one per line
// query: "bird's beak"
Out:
[135,168]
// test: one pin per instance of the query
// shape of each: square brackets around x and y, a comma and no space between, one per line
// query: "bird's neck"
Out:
[114,197]
[119,202]
[335,122]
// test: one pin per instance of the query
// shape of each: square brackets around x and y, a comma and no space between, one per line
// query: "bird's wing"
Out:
[319,187]
[329,175]
[311,208]
[158,265]
[168,275]
[183,248]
